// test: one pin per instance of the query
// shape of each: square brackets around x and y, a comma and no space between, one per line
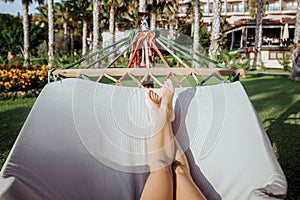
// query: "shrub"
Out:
[18,78]
[285,62]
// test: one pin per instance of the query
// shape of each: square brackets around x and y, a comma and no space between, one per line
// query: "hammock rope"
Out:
[140,46]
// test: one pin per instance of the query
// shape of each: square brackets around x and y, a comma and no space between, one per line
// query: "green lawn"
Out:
[12,116]
[276,99]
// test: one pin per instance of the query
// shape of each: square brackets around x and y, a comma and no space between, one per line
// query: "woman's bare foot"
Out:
[167,91]
[153,99]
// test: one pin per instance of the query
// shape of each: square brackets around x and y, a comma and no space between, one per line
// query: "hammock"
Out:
[88,140]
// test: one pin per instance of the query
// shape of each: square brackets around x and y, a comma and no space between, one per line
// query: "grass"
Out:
[13,113]
[275,98]
[277,101]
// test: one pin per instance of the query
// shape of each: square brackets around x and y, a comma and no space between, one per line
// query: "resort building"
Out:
[278,27]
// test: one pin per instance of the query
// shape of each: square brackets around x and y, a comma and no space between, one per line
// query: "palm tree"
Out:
[155,5]
[85,11]
[295,72]
[258,33]
[81,10]
[96,11]
[50,33]
[25,30]
[25,4]
[297,25]
[256,9]
[153,14]
[196,30]
[216,27]
[167,10]
[112,5]
[128,14]
[62,15]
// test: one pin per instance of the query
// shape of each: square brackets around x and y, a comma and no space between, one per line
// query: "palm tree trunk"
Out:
[51,32]
[25,31]
[95,25]
[196,30]
[172,31]
[153,15]
[295,72]
[84,35]
[72,40]
[216,27]
[142,5]
[297,24]
[65,27]
[112,28]
[258,34]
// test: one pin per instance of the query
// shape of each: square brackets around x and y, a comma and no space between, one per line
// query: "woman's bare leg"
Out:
[161,154]
[159,184]
[185,186]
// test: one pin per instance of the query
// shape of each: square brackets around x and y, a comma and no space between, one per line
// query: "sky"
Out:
[15,7]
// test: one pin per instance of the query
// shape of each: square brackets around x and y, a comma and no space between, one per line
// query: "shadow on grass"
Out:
[11,123]
[284,132]
[277,100]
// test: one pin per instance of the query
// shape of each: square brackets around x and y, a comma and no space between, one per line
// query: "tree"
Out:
[297,25]
[11,31]
[258,33]
[295,72]
[167,10]
[26,33]
[25,30]
[216,27]
[81,10]
[127,15]
[62,16]
[167,6]
[96,11]
[112,5]
[85,8]
[50,33]
[153,14]
[256,10]
[196,25]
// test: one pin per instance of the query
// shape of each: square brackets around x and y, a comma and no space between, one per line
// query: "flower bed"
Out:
[16,77]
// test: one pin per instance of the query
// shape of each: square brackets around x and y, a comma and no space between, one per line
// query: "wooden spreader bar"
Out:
[145,71]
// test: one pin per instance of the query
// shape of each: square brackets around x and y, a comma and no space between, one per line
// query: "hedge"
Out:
[16,77]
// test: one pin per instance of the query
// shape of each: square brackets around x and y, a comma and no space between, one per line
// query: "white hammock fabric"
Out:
[87,140]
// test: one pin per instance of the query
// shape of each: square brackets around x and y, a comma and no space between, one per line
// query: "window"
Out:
[237,8]
[291,5]
[205,9]
[275,55]
[272,55]
[274,6]
[223,8]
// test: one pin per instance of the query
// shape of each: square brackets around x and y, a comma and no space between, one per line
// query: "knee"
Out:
[159,165]
[179,169]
